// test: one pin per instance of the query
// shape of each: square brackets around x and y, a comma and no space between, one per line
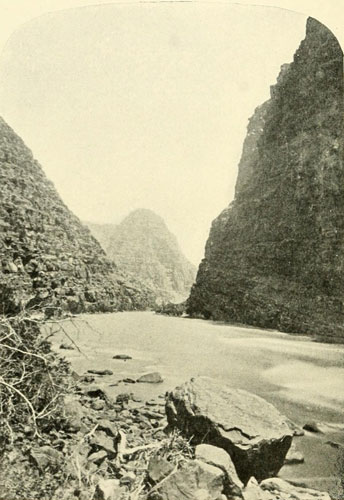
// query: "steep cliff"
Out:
[47,256]
[275,256]
[143,247]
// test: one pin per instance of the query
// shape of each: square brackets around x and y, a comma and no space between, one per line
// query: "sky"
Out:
[134,105]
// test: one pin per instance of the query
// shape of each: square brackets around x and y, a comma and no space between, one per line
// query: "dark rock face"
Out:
[274,257]
[252,431]
[47,256]
[143,246]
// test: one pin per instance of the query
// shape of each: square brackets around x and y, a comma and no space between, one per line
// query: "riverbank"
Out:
[303,379]
[112,410]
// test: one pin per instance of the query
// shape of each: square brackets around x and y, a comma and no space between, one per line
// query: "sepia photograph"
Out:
[171,250]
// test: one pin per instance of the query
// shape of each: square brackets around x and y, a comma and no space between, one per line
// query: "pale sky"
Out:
[143,104]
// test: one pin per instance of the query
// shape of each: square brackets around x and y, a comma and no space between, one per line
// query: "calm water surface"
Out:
[304,379]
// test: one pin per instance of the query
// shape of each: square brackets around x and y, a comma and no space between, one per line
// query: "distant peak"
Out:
[146,214]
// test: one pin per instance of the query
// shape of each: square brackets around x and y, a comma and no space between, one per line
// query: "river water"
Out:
[302,378]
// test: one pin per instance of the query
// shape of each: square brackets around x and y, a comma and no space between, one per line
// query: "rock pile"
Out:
[121,448]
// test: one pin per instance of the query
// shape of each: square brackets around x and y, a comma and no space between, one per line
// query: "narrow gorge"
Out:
[275,255]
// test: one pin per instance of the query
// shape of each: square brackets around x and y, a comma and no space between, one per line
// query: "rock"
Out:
[46,457]
[294,456]
[152,414]
[129,380]
[97,457]
[128,478]
[76,376]
[151,378]
[108,489]
[100,372]
[101,441]
[335,444]
[95,391]
[252,491]
[73,413]
[98,404]
[123,398]
[88,379]
[124,357]
[252,431]
[323,427]
[108,427]
[158,469]
[67,347]
[286,491]
[296,429]
[218,457]
[195,480]
[313,427]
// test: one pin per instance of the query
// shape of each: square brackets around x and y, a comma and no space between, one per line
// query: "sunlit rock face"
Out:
[48,258]
[143,247]
[275,256]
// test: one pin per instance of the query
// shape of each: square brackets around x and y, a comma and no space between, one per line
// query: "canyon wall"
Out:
[48,258]
[275,256]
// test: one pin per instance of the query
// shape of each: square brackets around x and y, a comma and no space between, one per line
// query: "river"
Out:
[302,378]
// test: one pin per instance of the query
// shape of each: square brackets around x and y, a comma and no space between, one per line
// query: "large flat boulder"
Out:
[251,430]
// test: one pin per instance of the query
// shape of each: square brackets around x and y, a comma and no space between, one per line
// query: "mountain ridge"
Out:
[48,258]
[143,246]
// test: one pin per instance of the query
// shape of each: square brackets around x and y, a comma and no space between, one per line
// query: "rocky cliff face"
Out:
[275,256]
[144,247]
[47,256]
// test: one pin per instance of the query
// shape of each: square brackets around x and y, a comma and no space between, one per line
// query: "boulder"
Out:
[151,378]
[218,457]
[284,490]
[195,480]
[250,429]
